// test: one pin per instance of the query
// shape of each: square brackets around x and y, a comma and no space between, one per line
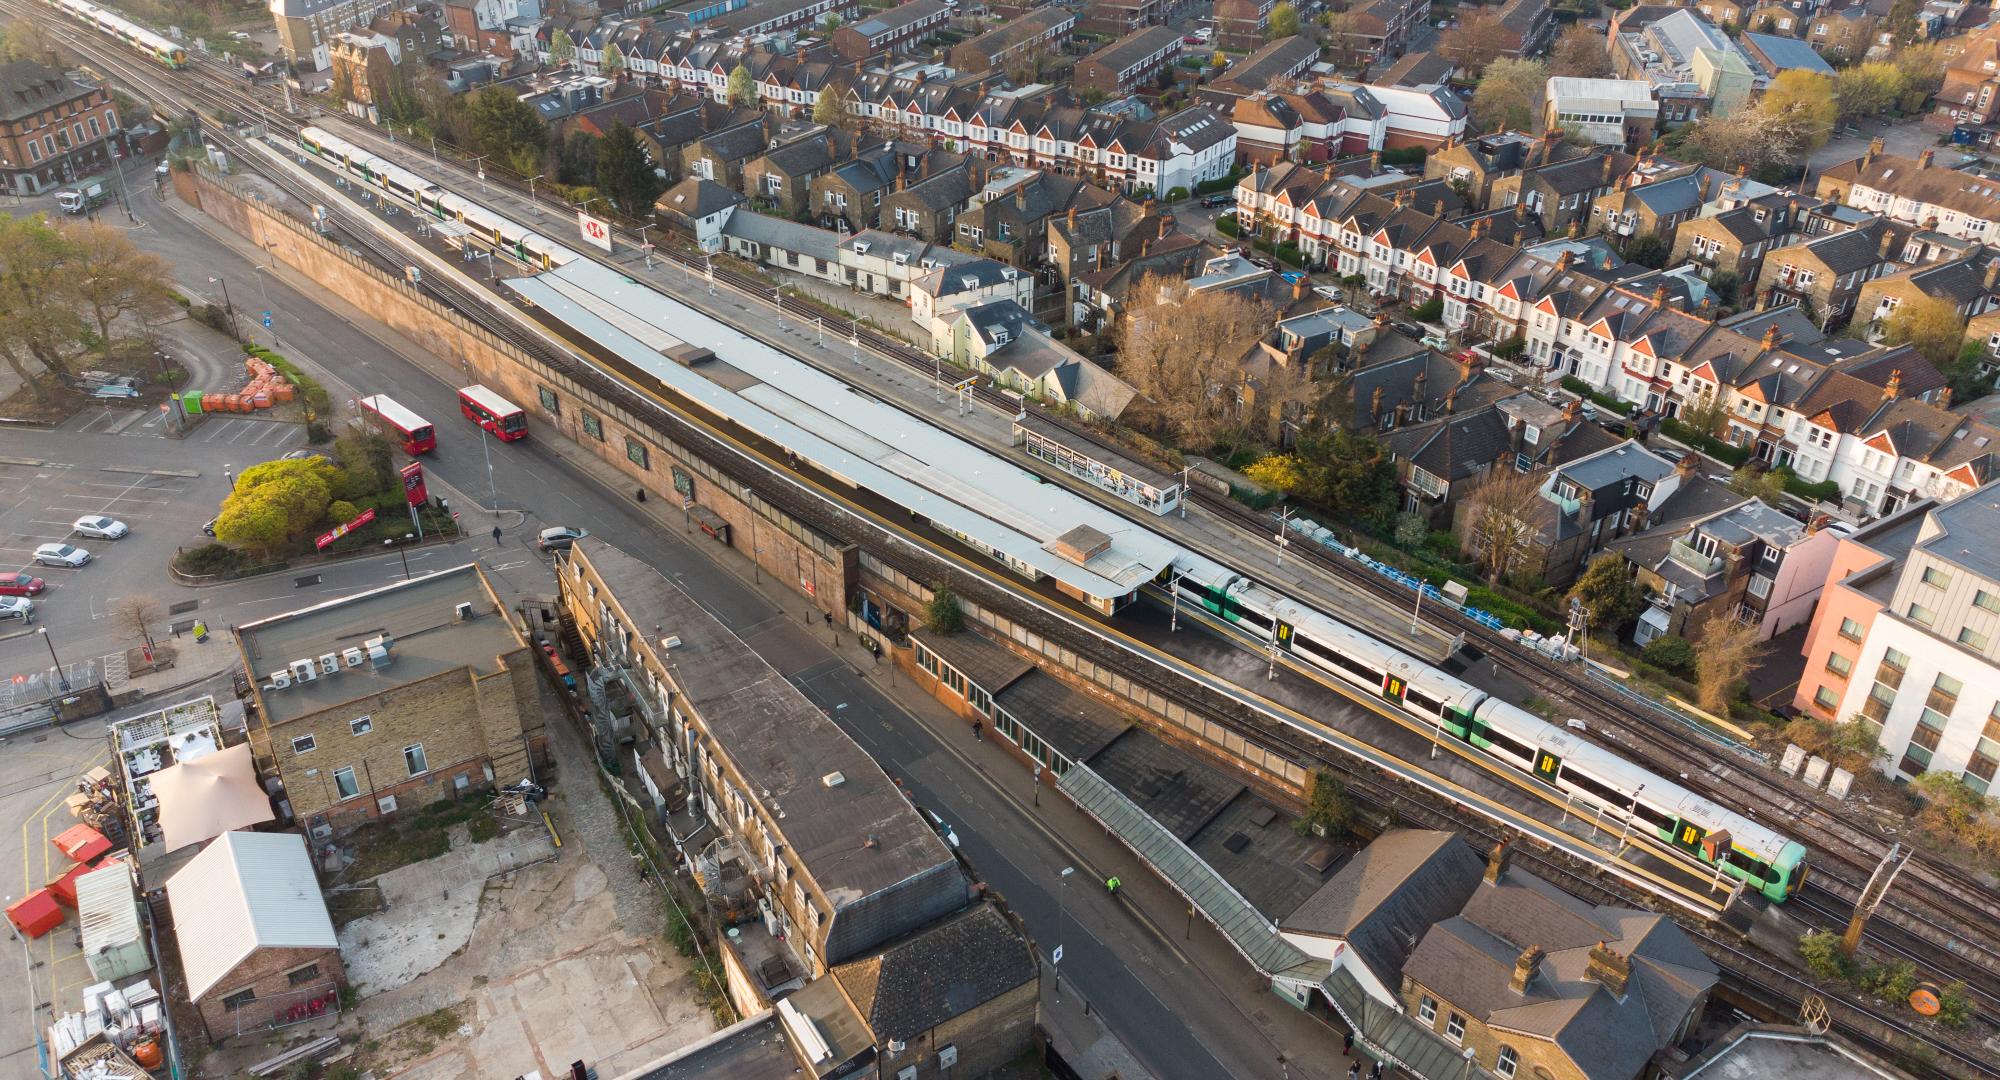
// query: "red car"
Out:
[20,585]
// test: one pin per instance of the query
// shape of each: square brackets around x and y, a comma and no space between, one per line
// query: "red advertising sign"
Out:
[341,530]
[413,484]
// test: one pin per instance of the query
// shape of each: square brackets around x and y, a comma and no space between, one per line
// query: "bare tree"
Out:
[1724,652]
[137,615]
[1476,41]
[1182,350]
[1581,53]
[1500,523]
[1705,413]
[106,276]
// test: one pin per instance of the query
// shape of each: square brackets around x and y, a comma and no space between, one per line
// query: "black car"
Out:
[1212,201]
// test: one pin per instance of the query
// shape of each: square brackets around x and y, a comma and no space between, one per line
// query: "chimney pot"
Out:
[1520,211]
[1944,398]
[1496,863]
[1375,406]
[1924,159]
[1525,966]
[1894,389]
[1888,241]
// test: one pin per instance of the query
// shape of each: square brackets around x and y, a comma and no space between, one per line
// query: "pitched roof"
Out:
[245,891]
[1418,69]
[898,17]
[697,198]
[937,974]
[27,87]
[784,234]
[1456,447]
[1965,192]
[1133,47]
[1384,898]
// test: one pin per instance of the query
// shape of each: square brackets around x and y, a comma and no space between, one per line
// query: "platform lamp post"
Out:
[1062,901]
[62,678]
[531,187]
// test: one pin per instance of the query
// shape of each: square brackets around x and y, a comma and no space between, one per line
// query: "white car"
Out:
[99,527]
[61,555]
[944,831]
[17,607]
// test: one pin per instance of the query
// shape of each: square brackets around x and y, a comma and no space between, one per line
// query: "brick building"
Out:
[1128,62]
[53,129]
[254,935]
[402,694]
[1042,28]
[894,30]
[1240,24]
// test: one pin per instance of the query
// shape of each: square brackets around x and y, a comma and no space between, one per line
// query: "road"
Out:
[1133,977]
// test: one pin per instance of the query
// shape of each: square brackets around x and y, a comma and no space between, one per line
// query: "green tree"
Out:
[1765,484]
[943,613]
[1968,374]
[1279,472]
[1349,473]
[1283,22]
[830,23]
[613,60]
[1930,325]
[1329,812]
[828,108]
[1673,655]
[1866,91]
[276,502]
[742,88]
[562,49]
[367,461]
[623,173]
[1609,596]
[577,163]
[1509,95]
[507,129]
[1808,95]
[1647,249]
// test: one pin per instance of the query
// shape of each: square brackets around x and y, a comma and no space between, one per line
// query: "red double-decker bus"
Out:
[494,413]
[413,432]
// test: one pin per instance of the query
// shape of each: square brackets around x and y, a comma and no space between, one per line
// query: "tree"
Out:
[1953,812]
[562,48]
[1180,349]
[1647,249]
[1671,654]
[1609,596]
[1767,485]
[36,335]
[1509,96]
[623,172]
[275,502]
[1283,22]
[742,88]
[1279,472]
[1350,473]
[367,461]
[1968,375]
[1581,53]
[943,614]
[1342,29]
[829,109]
[1922,68]
[1807,96]
[830,23]
[109,278]
[1725,649]
[1475,42]
[137,615]
[1902,22]
[1328,810]
[576,164]
[1755,138]
[28,39]
[1500,521]
[508,129]
[613,60]
[1411,531]
[1866,91]
[1929,324]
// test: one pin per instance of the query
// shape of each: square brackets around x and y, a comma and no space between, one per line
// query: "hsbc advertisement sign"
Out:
[413,484]
[595,230]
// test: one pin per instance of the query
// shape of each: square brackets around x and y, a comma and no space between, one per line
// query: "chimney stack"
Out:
[1608,969]
[1659,297]
[1562,262]
[1992,275]
[1375,407]
[1685,467]
[1888,241]
[1770,337]
[1496,863]
[1524,968]
[1705,180]
[1895,388]
[1072,218]
[1572,410]
[1944,398]
[1521,211]
[1924,159]
[1610,166]
[1375,163]
[1298,287]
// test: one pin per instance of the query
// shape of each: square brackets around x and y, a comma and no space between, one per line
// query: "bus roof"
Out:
[390,409]
[482,395]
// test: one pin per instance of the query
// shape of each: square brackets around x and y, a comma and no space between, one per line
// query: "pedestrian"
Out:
[200,631]
[1377,1074]
[1347,1045]
[976,725]
[1354,1071]
[1111,886]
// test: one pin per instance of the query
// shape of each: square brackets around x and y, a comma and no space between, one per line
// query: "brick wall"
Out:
[986,1037]
[268,974]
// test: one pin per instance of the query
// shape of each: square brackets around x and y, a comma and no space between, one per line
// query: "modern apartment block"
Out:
[1907,639]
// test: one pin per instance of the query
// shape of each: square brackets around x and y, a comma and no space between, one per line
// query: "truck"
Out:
[78,198]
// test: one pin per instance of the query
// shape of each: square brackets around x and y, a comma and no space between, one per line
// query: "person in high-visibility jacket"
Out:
[1111,885]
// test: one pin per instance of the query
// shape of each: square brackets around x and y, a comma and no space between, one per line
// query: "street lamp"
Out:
[531,186]
[61,677]
[1062,898]
[401,550]
[228,308]
[493,491]
[229,476]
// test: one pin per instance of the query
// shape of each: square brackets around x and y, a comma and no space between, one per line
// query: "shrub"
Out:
[1227,226]
[1429,311]
[1821,952]
[1409,155]
[209,559]
[1673,655]
[1220,183]
[943,614]
[1176,194]
[1289,254]
[340,510]
[1707,444]
[1820,491]
[1510,348]
[1892,981]
[1604,401]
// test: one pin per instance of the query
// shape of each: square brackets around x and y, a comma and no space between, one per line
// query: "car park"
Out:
[559,537]
[61,555]
[99,527]
[21,585]
[17,607]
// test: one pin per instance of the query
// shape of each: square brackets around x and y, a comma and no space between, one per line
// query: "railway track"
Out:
[1368,785]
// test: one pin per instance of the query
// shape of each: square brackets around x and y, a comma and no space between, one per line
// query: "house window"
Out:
[1986,601]
[635,452]
[1427,1010]
[1921,614]
[304,744]
[1839,665]
[1507,1062]
[1972,639]
[593,427]
[239,999]
[1851,630]
[550,403]
[1827,698]
[413,759]
[1454,1028]
[343,782]
[1760,586]
[1936,578]
[302,976]
[361,725]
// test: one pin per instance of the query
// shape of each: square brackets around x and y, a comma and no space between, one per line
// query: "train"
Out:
[506,236]
[1694,828]
[1611,788]
[162,49]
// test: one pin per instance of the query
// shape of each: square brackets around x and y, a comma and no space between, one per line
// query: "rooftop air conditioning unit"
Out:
[378,657]
[280,679]
[353,657]
[671,641]
[329,664]
[303,670]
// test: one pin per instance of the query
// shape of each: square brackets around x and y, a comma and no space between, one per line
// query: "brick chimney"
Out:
[1381,319]
[1021,197]
[1575,228]
[1659,297]
[832,147]
[1571,411]
[1524,968]
[1706,179]
[1888,241]
[1375,407]
[1521,211]
[1685,467]
[1992,275]
[1944,398]
[1770,337]
[1374,163]
[1610,166]
[1924,159]
[1608,969]
[1562,261]
[1402,198]
[1894,389]
[1742,171]
[924,168]
[1298,287]
[1496,863]
[1072,219]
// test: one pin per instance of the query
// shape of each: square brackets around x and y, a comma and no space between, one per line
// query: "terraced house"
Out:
[1128,62]
[1918,192]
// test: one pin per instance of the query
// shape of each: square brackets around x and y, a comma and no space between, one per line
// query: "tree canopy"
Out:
[1808,96]
[1180,349]
[1509,97]
[1929,324]
[64,291]
[507,129]
[1476,41]
[277,502]
[623,173]
[742,87]
[1581,53]
[1283,21]
[1609,596]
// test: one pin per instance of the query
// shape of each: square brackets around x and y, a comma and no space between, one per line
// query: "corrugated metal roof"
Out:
[107,908]
[244,892]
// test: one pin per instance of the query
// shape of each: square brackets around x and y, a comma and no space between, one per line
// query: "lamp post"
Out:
[1062,902]
[228,308]
[401,550]
[62,679]
[644,247]
[531,187]
[229,476]
[479,163]
[486,448]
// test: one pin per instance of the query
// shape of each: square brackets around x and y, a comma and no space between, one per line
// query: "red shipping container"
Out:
[82,843]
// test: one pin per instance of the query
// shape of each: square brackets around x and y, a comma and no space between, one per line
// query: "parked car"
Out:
[99,527]
[1221,198]
[209,526]
[21,585]
[20,607]
[1409,329]
[162,168]
[559,538]
[61,555]
[1329,292]
[1191,40]
[944,831]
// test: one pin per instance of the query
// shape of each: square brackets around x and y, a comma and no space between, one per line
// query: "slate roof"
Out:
[1959,282]
[979,273]
[697,198]
[1133,47]
[1455,448]
[937,974]
[1785,54]
[940,191]
[1846,252]
[1035,23]
[1418,69]
[1388,894]
[738,143]
[1258,70]
[1968,193]
[896,18]
[785,235]
[27,88]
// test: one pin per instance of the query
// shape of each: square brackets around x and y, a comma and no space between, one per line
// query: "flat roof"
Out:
[420,615]
[752,1049]
[870,444]
[1969,523]
[782,744]
[1104,455]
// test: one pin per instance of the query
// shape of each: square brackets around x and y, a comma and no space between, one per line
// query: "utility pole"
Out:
[1871,897]
[1283,538]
